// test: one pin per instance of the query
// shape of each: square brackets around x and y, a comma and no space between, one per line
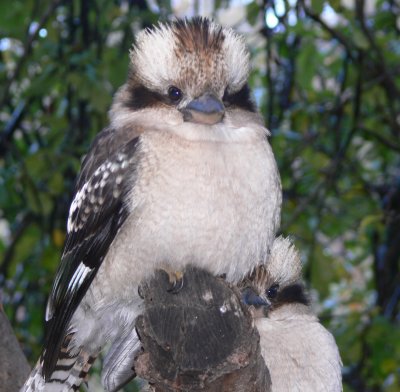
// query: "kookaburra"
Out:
[183,174]
[301,355]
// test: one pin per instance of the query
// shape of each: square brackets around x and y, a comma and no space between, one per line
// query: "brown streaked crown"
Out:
[196,56]
[197,35]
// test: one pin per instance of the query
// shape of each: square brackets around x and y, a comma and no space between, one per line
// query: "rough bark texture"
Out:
[199,339]
[14,367]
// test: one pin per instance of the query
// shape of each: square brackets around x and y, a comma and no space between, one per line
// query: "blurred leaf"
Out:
[58,237]
[317,5]
[307,64]
[360,39]
[253,11]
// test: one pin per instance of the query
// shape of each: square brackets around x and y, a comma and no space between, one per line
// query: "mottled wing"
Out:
[96,214]
[106,144]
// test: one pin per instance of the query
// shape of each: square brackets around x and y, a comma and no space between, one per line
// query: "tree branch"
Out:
[391,144]
[27,49]
[199,339]
[333,32]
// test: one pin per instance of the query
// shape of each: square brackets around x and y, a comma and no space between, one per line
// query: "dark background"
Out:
[326,76]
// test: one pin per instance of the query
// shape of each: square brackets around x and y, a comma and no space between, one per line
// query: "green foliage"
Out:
[327,82]
[335,128]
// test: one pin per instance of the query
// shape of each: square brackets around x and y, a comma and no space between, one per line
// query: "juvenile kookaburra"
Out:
[301,355]
[183,174]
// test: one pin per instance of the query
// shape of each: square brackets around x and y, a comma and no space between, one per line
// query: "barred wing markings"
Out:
[96,214]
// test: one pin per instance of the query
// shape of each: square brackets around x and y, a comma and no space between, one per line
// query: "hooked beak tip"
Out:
[206,109]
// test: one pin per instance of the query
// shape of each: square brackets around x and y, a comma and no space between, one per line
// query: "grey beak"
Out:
[206,109]
[249,297]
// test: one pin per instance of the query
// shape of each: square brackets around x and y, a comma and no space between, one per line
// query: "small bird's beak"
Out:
[206,109]
[250,298]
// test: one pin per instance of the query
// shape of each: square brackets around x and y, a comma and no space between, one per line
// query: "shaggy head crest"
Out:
[284,265]
[192,55]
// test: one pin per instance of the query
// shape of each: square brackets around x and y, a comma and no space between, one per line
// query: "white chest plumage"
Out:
[209,203]
[300,353]
[212,203]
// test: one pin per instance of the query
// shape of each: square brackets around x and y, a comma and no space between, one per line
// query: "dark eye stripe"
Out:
[241,99]
[141,97]
[294,293]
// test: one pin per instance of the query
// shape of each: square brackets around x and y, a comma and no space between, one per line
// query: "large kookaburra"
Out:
[301,355]
[183,174]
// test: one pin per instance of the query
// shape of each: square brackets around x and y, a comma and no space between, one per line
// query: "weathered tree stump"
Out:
[199,339]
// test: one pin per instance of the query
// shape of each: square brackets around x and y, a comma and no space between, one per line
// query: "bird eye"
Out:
[272,292]
[175,94]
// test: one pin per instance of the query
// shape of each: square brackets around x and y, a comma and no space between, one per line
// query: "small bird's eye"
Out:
[272,292]
[175,94]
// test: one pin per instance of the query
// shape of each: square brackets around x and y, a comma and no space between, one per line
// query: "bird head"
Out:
[278,281]
[194,70]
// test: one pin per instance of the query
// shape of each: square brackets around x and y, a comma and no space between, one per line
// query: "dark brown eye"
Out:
[174,94]
[272,292]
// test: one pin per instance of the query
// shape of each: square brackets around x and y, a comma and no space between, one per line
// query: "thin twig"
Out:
[334,33]
[27,49]
[386,142]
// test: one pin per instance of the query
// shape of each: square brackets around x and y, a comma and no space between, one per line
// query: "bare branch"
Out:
[381,139]
[199,339]
[27,48]
[334,33]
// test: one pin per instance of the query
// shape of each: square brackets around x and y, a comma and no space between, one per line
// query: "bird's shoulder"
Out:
[103,147]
